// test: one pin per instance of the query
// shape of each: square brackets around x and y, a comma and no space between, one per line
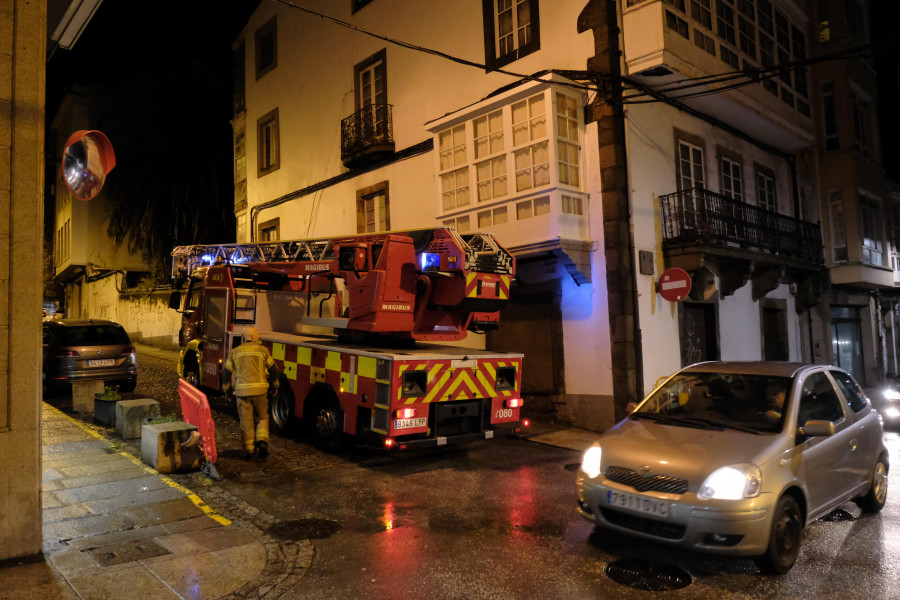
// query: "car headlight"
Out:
[732,483]
[590,463]
[892,412]
[891,394]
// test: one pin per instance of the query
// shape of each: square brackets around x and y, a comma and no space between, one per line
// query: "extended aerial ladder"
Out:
[426,284]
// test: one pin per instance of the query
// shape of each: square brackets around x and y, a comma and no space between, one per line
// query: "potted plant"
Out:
[105,405]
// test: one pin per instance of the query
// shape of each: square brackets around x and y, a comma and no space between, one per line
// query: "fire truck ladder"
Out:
[482,252]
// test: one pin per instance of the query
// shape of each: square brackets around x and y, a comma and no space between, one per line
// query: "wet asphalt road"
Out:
[496,519]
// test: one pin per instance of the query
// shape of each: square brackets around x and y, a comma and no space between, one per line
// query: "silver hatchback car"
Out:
[735,458]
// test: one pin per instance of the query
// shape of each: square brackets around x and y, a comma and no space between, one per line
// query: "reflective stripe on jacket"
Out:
[250,362]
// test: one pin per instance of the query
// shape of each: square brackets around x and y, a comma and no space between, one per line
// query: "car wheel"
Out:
[328,428]
[875,498]
[784,537]
[281,411]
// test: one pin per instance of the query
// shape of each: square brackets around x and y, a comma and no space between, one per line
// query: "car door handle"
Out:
[853,445]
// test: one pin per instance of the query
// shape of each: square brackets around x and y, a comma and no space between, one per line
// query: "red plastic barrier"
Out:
[195,411]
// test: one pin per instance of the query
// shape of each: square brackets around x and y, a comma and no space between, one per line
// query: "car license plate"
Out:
[642,504]
[101,362]
[410,423]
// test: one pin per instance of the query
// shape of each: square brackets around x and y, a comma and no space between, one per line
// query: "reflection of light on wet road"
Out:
[388,516]
[522,512]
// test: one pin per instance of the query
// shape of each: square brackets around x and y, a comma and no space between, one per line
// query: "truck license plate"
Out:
[101,362]
[642,504]
[410,423]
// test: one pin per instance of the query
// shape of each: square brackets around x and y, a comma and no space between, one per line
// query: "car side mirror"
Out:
[816,428]
[175,300]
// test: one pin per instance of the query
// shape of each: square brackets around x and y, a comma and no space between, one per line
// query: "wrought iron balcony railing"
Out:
[701,217]
[367,135]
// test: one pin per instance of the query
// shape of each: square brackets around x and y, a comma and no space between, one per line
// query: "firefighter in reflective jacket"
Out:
[255,379]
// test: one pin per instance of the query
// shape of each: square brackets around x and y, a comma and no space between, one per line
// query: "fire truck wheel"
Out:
[281,410]
[328,431]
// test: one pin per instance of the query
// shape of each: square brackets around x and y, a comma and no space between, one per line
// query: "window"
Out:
[873,245]
[725,20]
[702,13]
[461,223]
[488,134]
[732,184]
[819,401]
[241,227]
[266,48]
[861,140]
[829,116]
[765,190]
[747,32]
[370,78]
[856,21]
[512,30]
[533,208]
[690,166]
[567,140]
[572,205]
[838,229]
[238,64]
[488,218]
[270,231]
[532,163]
[856,398]
[729,57]
[373,209]
[454,181]
[677,24]
[268,153]
[704,41]
[491,176]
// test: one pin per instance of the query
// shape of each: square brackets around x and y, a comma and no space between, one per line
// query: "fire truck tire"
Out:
[281,411]
[328,427]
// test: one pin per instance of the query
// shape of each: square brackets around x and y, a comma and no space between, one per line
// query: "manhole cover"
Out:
[127,552]
[305,529]
[648,575]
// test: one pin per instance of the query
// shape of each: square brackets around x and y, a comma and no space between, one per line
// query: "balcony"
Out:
[739,242]
[367,136]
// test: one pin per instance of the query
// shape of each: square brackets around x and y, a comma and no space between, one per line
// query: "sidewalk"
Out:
[114,527]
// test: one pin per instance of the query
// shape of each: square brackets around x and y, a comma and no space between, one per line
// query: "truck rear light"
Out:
[405,413]
[389,443]
[513,403]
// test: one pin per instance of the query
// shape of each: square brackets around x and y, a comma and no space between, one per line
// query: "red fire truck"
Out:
[351,322]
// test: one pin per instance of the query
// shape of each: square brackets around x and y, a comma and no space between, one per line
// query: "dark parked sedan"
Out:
[736,458]
[88,350]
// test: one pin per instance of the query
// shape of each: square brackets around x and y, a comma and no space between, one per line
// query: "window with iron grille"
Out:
[690,165]
[765,190]
[732,184]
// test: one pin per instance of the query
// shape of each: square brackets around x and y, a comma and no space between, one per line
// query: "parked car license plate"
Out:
[410,423]
[101,362]
[650,506]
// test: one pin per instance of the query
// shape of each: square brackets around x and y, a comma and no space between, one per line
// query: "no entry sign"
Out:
[674,285]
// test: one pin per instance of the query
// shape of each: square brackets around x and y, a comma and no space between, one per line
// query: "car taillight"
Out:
[68,354]
[130,350]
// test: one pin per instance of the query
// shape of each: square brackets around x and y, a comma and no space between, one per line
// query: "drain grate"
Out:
[648,575]
[127,552]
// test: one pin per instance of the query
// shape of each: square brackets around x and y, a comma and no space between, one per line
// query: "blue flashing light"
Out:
[206,259]
[430,261]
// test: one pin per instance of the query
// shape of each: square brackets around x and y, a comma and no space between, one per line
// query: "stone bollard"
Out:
[105,411]
[161,447]
[132,414]
[83,395]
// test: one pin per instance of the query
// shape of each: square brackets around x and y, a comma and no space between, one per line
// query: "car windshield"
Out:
[93,335]
[719,400]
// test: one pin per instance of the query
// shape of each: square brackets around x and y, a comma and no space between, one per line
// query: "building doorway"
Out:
[846,341]
[698,333]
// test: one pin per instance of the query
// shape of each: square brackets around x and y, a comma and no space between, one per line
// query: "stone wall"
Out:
[23,41]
